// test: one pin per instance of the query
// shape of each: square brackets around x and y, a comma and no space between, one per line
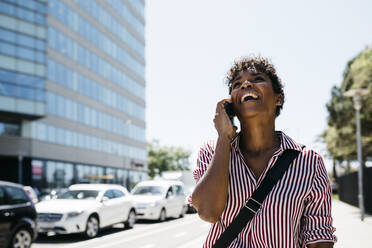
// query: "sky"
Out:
[191,45]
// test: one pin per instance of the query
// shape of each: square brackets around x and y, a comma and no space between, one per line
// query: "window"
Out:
[59,175]
[8,89]
[109,194]
[170,192]
[51,134]
[7,49]
[2,197]
[79,194]
[16,195]
[10,129]
[179,190]
[118,193]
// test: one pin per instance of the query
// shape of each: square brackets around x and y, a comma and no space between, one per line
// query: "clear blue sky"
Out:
[190,46]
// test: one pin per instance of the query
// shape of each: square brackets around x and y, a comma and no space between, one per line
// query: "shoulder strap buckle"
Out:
[253,205]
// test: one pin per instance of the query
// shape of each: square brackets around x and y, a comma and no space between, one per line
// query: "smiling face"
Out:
[253,95]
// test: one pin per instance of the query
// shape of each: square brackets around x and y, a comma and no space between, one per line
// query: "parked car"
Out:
[159,199]
[86,208]
[188,181]
[18,218]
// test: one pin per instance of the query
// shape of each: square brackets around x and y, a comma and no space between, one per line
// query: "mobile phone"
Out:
[230,111]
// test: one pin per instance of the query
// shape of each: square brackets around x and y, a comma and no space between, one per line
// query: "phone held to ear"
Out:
[229,111]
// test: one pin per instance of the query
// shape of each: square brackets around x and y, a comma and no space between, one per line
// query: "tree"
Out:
[340,136]
[163,158]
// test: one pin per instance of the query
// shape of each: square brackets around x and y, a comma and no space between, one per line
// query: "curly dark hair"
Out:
[256,64]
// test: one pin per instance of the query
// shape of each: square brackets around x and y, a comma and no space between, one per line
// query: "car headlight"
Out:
[74,214]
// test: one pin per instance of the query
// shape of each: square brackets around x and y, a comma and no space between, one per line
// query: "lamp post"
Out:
[357,95]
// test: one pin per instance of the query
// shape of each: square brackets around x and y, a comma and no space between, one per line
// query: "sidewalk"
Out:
[350,230]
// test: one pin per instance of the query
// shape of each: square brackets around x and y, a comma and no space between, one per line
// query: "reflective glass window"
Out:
[40,44]
[118,193]
[26,14]
[7,76]
[26,92]
[7,35]
[59,136]
[7,8]
[51,134]
[28,4]
[10,129]
[59,175]
[7,49]
[39,18]
[40,57]
[40,7]
[25,40]
[16,195]
[41,131]
[2,197]
[40,95]
[25,53]
[109,194]
[26,66]
[8,89]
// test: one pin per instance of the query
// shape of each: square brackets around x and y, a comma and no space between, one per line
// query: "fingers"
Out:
[220,115]
[220,105]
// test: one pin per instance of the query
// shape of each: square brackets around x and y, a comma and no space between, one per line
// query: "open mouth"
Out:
[250,96]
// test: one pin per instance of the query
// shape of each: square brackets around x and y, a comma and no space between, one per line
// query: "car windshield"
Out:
[79,194]
[148,190]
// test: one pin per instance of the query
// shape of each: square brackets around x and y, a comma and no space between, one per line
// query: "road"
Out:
[187,232]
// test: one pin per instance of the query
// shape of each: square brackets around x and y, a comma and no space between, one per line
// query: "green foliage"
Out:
[340,135]
[162,158]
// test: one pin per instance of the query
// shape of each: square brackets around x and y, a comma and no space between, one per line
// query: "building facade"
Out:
[72,92]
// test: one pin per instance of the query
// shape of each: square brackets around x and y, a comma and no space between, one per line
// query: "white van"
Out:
[159,199]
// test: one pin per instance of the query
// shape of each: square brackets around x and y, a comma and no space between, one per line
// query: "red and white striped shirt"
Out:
[295,213]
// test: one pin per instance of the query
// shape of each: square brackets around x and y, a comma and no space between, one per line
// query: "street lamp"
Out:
[357,95]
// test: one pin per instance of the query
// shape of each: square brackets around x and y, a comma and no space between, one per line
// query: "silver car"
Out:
[159,199]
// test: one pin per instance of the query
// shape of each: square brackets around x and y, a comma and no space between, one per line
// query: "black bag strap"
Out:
[254,202]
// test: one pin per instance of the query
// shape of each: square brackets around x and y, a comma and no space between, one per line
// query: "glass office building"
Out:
[72,92]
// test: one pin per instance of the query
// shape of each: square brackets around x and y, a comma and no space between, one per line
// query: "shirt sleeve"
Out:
[204,158]
[317,220]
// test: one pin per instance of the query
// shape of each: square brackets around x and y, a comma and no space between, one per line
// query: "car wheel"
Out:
[131,219]
[21,239]
[163,215]
[92,227]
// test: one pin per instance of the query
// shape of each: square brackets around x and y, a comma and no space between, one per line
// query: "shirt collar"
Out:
[285,143]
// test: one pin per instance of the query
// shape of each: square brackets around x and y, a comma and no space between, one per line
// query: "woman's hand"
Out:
[222,122]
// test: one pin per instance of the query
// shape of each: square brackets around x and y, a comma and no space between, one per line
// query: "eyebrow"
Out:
[235,79]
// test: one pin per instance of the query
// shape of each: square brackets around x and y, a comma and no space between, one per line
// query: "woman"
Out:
[297,212]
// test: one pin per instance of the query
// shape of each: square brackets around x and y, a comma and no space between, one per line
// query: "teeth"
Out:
[254,96]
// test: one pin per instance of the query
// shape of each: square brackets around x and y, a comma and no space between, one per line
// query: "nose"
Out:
[246,84]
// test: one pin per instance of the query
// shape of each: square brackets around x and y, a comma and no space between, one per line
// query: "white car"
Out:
[85,208]
[157,200]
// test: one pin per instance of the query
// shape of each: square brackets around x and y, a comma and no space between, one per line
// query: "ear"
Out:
[279,100]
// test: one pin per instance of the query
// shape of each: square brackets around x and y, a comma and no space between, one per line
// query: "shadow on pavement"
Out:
[75,237]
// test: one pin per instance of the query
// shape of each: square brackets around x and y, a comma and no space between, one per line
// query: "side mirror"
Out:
[104,199]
